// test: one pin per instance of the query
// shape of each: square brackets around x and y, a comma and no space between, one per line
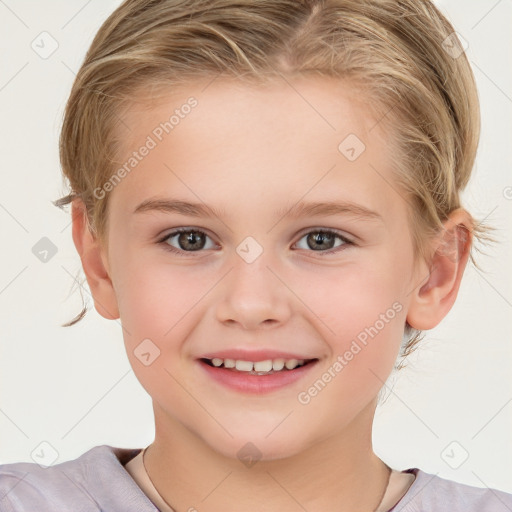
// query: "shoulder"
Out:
[78,484]
[432,493]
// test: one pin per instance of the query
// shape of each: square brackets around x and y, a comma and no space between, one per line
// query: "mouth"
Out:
[256,377]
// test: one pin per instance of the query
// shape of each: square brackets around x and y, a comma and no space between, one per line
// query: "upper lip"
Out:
[254,355]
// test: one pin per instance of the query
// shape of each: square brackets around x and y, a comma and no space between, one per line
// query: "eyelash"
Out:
[178,252]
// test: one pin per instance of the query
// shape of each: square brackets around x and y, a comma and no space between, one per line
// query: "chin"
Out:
[250,449]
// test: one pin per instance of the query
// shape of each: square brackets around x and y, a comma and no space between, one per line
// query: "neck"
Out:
[339,474]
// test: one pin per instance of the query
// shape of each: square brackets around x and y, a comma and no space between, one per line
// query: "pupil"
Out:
[319,239]
[191,238]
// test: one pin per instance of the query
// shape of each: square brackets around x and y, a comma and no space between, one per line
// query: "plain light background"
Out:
[449,412]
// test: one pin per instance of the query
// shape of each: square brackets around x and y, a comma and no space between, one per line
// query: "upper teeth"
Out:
[259,366]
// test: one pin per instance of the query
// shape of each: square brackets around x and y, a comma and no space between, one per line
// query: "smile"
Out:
[256,377]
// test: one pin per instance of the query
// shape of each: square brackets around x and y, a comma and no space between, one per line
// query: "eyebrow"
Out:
[301,209]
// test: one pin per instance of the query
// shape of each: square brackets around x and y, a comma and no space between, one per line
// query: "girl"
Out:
[267,194]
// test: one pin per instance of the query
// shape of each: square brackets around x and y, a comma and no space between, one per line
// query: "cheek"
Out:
[154,290]
[353,299]
[158,308]
[156,300]
[363,318]
[363,315]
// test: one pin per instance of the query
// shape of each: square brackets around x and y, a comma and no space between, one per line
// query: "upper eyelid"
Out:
[185,229]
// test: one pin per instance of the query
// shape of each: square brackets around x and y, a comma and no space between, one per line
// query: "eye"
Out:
[324,239]
[187,239]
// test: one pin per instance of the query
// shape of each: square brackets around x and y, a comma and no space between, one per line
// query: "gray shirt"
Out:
[97,481]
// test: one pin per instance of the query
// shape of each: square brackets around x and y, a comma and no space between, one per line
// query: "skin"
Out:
[248,152]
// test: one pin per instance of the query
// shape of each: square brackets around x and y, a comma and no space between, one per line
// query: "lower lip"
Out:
[256,384]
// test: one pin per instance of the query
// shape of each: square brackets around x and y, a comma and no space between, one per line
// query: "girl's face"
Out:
[253,277]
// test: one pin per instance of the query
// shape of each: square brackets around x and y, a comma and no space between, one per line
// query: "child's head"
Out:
[250,108]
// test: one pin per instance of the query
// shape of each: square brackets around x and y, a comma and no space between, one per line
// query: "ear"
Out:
[432,300]
[94,263]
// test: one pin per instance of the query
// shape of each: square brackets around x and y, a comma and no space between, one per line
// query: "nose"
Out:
[253,295]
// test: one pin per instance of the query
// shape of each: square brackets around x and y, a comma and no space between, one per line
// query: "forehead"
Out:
[286,138]
[298,108]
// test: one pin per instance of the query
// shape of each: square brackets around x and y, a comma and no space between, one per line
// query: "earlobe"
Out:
[434,297]
[93,262]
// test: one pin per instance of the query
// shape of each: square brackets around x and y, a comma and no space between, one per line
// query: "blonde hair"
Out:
[402,55]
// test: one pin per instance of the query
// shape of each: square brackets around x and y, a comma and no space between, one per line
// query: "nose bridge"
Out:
[252,294]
